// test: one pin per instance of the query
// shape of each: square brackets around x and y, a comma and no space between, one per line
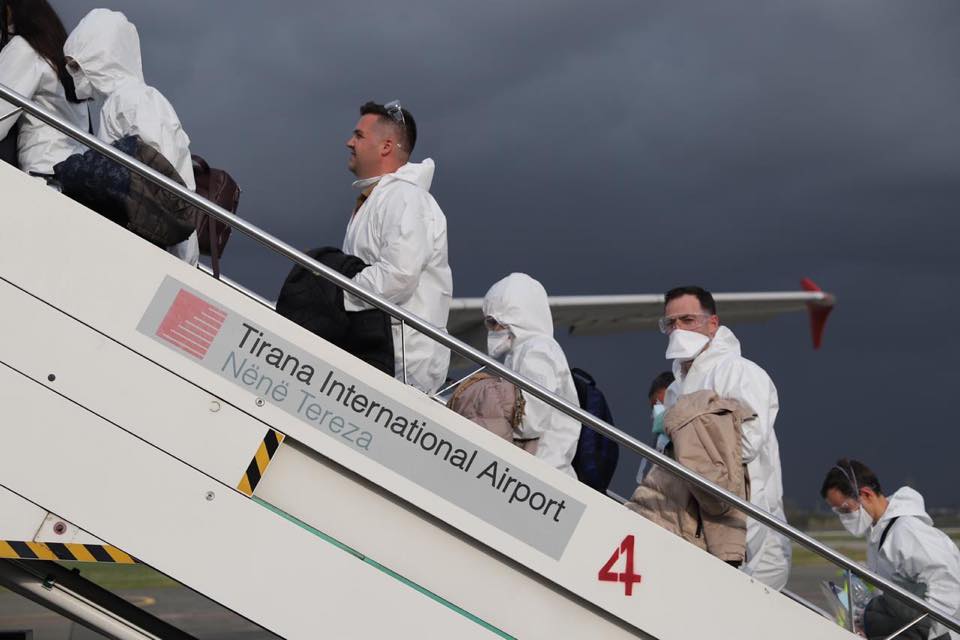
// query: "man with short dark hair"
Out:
[706,355]
[902,545]
[659,386]
[398,229]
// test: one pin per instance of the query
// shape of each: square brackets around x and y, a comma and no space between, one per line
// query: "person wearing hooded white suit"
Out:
[917,556]
[718,366]
[103,55]
[902,543]
[39,146]
[400,231]
[520,305]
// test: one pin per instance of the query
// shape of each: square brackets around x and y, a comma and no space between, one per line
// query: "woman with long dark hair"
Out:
[32,64]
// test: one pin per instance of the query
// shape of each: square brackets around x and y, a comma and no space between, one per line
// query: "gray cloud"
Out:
[628,147]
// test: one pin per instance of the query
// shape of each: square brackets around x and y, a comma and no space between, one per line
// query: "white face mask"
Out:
[858,522]
[82,85]
[685,345]
[499,343]
[366,182]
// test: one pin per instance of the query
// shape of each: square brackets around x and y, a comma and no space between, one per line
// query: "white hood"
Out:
[520,302]
[905,502]
[723,345]
[107,47]
[419,174]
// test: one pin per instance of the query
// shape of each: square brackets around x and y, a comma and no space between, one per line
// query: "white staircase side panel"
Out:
[127,389]
[207,536]
[68,258]
[426,551]
[175,415]
[23,521]
[20,519]
[57,529]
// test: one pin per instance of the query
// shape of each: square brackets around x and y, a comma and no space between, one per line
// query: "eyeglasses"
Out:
[682,321]
[492,324]
[849,505]
[395,111]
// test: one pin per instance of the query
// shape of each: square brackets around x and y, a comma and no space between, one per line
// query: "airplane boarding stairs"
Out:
[157,411]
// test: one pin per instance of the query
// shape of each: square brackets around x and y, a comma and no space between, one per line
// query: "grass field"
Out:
[115,576]
[855,548]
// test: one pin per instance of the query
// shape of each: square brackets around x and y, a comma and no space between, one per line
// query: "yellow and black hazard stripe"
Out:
[15,550]
[258,466]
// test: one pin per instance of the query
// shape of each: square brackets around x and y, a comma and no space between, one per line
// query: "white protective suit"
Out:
[107,47]
[39,146]
[917,556]
[401,233]
[520,303]
[721,368]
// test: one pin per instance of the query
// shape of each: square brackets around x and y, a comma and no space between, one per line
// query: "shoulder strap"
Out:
[886,530]
[202,165]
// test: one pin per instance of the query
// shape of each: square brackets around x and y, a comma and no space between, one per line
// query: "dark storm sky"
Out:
[627,147]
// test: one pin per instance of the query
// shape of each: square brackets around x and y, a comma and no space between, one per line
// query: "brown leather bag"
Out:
[219,187]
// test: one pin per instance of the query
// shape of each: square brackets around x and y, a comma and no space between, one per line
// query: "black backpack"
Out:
[316,304]
[8,146]
[597,455]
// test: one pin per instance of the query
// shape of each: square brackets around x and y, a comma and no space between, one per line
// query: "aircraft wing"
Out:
[606,314]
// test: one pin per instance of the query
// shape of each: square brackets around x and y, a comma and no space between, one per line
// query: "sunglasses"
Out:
[395,111]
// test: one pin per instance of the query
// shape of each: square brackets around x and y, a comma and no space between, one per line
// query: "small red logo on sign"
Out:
[627,576]
[191,324]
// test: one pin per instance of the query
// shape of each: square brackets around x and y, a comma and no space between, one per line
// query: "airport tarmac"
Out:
[207,620]
[181,607]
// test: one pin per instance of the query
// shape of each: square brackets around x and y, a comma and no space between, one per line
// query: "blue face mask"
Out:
[657,414]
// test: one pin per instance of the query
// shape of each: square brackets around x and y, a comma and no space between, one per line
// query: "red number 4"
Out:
[627,576]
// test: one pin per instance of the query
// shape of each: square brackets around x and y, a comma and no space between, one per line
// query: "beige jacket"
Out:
[706,434]
[494,404]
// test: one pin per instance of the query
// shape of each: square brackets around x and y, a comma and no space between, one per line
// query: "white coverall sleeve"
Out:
[20,70]
[740,383]
[114,125]
[921,556]
[557,433]
[404,251]
[153,128]
[538,367]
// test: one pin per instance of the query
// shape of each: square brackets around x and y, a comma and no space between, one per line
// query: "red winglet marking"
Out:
[819,312]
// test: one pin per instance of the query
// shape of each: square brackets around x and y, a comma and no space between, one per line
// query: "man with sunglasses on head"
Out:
[398,229]
[902,545]
[706,355]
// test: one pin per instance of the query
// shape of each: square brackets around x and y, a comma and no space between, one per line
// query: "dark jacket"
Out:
[316,304]
[597,455]
[115,192]
[8,145]
[885,615]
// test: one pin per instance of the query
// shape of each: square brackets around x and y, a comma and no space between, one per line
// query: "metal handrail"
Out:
[463,349]
[10,114]
[906,627]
